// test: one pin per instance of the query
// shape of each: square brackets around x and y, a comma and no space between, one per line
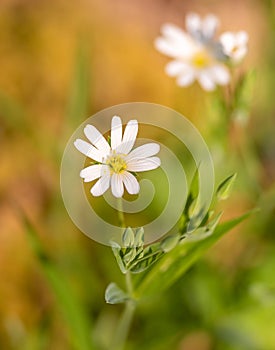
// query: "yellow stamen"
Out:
[116,163]
[201,59]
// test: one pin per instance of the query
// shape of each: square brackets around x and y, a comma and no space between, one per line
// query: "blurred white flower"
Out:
[196,54]
[118,160]
[202,29]
[234,45]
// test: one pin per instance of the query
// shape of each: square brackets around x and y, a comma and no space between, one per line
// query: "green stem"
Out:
[120,213]
[129,284]
[124,326]
[125,321]
[126,318]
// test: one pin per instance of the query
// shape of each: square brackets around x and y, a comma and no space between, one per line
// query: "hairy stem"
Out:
[121,218]
[126,318]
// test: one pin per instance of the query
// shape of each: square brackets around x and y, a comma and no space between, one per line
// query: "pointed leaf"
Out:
[116,251]
[174,264]
[225,188]
[169,242]
[115,295]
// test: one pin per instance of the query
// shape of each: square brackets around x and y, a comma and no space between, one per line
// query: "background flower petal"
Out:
[193,23]
[209,26]
[174,42]
[186,78]
[206,80]
[175,68]
[220,74]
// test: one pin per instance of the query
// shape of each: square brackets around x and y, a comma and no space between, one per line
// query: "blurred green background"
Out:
[61,61]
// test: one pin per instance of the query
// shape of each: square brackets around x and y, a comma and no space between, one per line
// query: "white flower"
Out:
[196,55]
[116,162]
[234,45]
[202,29]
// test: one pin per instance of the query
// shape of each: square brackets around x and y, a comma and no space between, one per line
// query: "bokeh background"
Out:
[61,61]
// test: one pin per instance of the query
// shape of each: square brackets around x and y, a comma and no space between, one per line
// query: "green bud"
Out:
[225,188]
[128,237]
[139,237]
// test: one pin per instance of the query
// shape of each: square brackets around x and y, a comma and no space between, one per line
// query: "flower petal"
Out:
[88,150]
[175,42]
[116,132]
[131,183]
[242,38]
[144,164]
[101,185]
[239,54]
[129,137]
[96,138]
[117,185]
[220,74]
[193,23]
[228,42]
[206,80]
[174,33]
[175,68]
[144,151]
[91,173]
[209,26]
[186,78]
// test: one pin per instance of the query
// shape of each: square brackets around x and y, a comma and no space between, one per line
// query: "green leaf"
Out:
[115,295]
[130,256]
[169,242]
[175,263]
[151,255]
[195,220]
[116,251]
[73,311]
[194,186]
[225,188]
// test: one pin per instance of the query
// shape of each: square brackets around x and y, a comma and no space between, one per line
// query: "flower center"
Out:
[200,59]
[117,163]
[234,49]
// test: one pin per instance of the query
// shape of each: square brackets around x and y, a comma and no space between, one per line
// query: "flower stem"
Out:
[126,318]
[124,326]
[120,213]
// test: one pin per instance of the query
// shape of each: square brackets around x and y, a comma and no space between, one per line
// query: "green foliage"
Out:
[115,295]
[174,264]
[72,310]
[225,188]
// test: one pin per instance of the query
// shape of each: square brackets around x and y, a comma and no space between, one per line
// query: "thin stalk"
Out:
[120,213]
[124,326]
[125,321]
[126,318]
